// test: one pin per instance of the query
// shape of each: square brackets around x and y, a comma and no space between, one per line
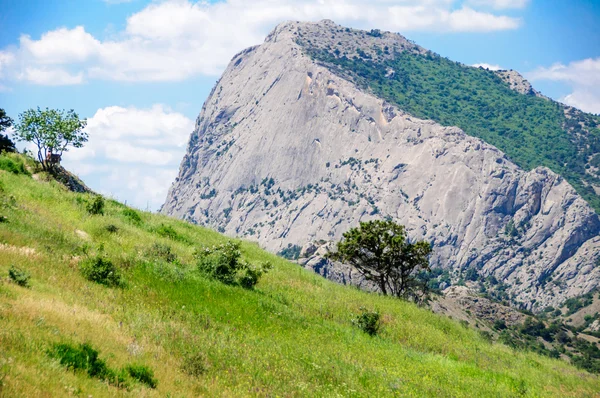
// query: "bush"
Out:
[96,207]
[291,252]
[102,271]
[168,231]
[499,324]
[132,216]
[195,365]
[223,263]
[85,358]
[162,251]
[368,321]
[143,374]
[112,228]
[19,276]
[13,165]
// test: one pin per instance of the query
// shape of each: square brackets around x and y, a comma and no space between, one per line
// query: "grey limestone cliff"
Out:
[287,152]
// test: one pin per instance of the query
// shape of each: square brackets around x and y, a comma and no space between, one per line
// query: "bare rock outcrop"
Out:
[287,152]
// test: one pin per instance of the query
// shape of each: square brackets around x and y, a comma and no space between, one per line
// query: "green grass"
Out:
[292,335]
[532,131]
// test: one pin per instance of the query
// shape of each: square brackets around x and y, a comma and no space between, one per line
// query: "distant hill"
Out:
[291,336]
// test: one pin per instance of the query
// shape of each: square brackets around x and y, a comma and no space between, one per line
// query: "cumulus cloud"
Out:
[584,78]
[176,39]
[500,4]
[132,153]
[487,66]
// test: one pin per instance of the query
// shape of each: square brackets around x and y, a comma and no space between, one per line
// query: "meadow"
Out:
[292,335]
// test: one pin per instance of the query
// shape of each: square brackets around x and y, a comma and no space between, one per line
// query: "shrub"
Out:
[133,216]
[195,365]
[112,228]
[96,207]
[487,336]
[291,252]
[13,165]
[162,251]
[168,231]
[224,264]
[85,358]
[19,276]
[368,321]
[499,324]
[143,374]
[102,271]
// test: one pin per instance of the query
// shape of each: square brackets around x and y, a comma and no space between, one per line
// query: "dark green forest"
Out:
[533,131]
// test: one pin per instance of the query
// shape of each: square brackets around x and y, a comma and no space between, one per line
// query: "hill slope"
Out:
[289,150]
[292,336]
[499,107]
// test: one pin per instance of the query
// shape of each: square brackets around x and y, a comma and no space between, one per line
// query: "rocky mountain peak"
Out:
[288,151]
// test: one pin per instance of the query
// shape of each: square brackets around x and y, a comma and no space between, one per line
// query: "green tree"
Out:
[5,142]
[382,253]
[52,131]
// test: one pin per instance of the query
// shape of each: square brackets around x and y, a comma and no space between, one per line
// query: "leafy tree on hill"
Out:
[381,252]
[5,122]
[52,131]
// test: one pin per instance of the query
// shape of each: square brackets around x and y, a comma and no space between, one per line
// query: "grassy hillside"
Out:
[290,336]
[532,131]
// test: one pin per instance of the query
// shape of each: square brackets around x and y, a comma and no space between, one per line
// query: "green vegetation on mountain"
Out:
[167,328]
[531,130]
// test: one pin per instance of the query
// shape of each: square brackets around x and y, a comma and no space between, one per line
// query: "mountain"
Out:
[322,126]
[293,335]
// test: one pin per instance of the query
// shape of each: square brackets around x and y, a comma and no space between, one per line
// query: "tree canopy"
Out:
[52,131]
[382,253]
[5,142]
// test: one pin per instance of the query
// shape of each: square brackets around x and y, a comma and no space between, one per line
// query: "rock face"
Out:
[517,82]
[460,302]
[287,152]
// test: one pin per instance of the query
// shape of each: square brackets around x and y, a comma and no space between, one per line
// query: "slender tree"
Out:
[52,131]
[382,253]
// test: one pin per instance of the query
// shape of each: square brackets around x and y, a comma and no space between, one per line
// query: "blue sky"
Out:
[140,70]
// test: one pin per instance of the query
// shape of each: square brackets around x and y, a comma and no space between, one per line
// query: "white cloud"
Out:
[584,78]
[50,76]
[487,66]
[132,154]
[61,46]
[469,20]
[176,39]
[500,4]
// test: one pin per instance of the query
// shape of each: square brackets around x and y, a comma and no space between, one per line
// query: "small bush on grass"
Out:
[102,271]
[224,264]
[112,228]
[19,276]
[96,206]
[13,165]
[85,358]
[162,251]
[143,374]
[195,365]
[168,231]
[368,321]
[132,216]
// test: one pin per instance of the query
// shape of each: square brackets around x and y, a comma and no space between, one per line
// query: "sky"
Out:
[140,70]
